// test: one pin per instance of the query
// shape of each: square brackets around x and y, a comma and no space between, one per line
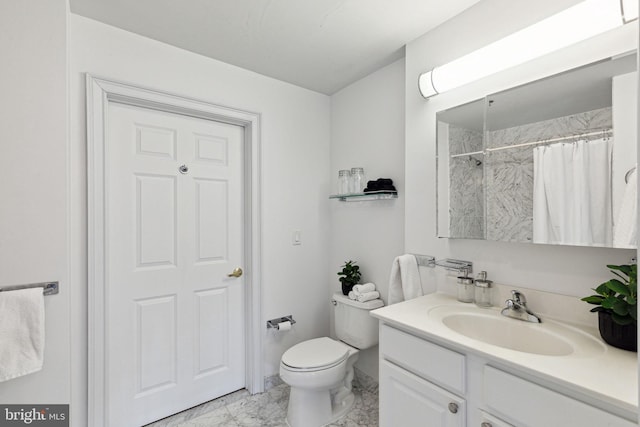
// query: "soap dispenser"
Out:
[465,288]
[483,290]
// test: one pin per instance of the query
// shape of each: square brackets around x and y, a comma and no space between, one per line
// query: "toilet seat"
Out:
[315,355]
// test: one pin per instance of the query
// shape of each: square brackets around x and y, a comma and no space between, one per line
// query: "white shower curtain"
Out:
[572,193]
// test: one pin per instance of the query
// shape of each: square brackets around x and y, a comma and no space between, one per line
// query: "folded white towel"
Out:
[21,332]
[352,295]
[404,283]
[362,289]
[368,296]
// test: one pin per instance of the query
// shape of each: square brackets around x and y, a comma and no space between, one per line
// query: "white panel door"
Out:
[174,216]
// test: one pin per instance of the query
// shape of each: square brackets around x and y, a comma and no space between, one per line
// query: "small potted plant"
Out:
[616,305]
[350,276]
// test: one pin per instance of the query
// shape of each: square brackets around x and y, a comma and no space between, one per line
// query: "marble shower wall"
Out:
[466,196]
[505,177]
[509,173]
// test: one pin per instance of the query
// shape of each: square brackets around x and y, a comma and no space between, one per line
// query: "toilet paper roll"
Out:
[284,326]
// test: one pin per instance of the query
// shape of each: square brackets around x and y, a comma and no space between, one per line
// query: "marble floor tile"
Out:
[269,409]
[217,417]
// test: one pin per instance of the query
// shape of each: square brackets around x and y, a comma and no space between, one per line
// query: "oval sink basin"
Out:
[549,338]
[514,335]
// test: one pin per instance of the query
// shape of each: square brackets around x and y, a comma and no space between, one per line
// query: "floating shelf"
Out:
[360,197]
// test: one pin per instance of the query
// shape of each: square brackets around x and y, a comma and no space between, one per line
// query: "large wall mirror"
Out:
[552,161]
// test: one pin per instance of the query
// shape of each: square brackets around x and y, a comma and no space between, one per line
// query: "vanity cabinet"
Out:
[423,383]
[529,404]
[487,420]
[415,393]
[408,400]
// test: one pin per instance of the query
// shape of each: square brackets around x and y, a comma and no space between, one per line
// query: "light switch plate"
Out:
[296,238]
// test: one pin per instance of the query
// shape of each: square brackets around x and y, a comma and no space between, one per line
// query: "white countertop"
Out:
[609,376]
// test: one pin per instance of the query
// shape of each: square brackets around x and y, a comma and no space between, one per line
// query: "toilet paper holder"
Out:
[275,323]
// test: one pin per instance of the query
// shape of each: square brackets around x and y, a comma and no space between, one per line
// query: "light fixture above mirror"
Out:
[575,24]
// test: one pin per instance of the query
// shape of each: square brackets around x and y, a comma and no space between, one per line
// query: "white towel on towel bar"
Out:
[21,332]
[404,283]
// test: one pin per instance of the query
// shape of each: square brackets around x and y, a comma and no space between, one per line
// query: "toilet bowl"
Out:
[320,371]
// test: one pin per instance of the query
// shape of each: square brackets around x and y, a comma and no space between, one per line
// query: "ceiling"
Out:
[322,45]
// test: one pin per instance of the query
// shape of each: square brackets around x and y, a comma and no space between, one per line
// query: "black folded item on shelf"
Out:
[380,184]
[382,181]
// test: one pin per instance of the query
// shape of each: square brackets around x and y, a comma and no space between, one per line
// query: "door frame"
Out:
[101,92]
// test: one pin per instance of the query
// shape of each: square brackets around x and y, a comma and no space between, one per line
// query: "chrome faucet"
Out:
[517,308]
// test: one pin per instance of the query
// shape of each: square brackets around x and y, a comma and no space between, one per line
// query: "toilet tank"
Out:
[353,323]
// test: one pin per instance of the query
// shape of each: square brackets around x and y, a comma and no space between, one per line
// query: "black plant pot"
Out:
[620,336]
[347,288]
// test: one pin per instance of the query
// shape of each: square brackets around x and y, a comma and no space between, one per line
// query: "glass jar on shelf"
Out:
[344,182]
[358,181]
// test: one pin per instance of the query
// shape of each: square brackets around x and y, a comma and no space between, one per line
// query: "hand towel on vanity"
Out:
[362,289]
[368,296]
[352,295]
[21,332]
[404,283]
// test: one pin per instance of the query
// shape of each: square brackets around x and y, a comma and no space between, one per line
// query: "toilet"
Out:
[320,371]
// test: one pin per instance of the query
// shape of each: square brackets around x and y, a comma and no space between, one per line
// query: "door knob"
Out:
[237,272]
[453,407]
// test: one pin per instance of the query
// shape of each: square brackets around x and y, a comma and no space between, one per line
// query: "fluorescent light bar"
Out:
[425,84]
[579,22]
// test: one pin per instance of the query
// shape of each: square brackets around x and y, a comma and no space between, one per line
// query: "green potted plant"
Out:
[349,276]
[616,305]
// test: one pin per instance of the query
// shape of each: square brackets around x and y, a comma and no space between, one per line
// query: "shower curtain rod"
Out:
[602,132]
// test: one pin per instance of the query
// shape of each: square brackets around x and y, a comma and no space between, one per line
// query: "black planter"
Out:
[620,336]
[346,289]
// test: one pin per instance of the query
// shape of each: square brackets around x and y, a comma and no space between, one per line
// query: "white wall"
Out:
[33,184]
[295,137]
[367,129]
[560,269]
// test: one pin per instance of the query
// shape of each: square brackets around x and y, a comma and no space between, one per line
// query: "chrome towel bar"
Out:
[425,260]
[448,263]
[49,288]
